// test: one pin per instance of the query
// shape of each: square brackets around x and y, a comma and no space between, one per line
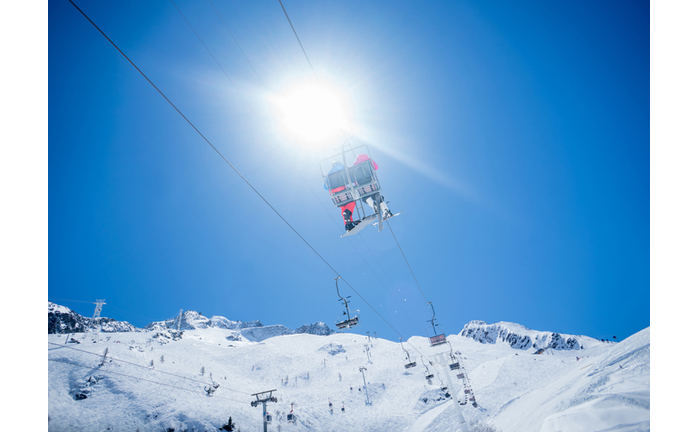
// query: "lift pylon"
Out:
[263,398]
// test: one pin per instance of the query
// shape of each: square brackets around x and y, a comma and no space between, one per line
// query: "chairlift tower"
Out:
[451,390]
[179,320]
[362,369]
[368,355]
[263,398]
[95,318]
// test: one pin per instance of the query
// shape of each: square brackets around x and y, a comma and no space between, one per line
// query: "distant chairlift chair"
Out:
[438,338]
[291,417]
[455,365]
[410,363]
[428,375]
[350,321]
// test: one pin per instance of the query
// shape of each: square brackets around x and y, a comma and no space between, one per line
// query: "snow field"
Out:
[516,390]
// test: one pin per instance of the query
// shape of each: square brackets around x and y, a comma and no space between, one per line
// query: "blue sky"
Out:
[515,138]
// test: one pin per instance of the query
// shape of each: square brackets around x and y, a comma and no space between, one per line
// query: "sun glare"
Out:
[312,113]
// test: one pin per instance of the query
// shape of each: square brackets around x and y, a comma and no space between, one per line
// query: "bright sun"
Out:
[312,113]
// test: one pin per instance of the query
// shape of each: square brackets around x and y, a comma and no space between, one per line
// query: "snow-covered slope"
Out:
[155,380]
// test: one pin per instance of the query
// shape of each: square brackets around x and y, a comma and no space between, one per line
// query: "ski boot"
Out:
[386,211]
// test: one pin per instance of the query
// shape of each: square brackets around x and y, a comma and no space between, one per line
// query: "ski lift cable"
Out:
[109,306]
[236,88]
[429,304]
[141,379]
[106,305]
[71,301]
[236,43]
[298,39]
[205,139]
[303,178]
[145,367]
[407,262]
[409,317]
[293,165]
[244,179]
[300,175]
[214,59]
[391,230]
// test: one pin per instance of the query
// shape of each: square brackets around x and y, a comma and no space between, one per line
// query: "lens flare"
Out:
[312,113]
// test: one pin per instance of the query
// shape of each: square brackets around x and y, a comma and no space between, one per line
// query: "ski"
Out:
[394,214]
[362,223]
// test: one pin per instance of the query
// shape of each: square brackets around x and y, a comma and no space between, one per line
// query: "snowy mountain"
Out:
[202,378]
[520,337]
[62,320]
[191,320]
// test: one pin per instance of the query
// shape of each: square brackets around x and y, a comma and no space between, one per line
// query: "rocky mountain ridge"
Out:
[522,338]
[62,320]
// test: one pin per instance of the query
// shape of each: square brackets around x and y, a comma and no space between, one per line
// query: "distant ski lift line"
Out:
[142,366]
[243,177]
[138,378]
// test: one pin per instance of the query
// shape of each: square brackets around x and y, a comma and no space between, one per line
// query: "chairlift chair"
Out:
[438,338]
[455,365]
[444,387]
[428,375]
[410,363]
[350,321]
[291,417]
[354,182]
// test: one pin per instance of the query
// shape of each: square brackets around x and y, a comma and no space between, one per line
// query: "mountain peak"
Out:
[520,337]
[63,320]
